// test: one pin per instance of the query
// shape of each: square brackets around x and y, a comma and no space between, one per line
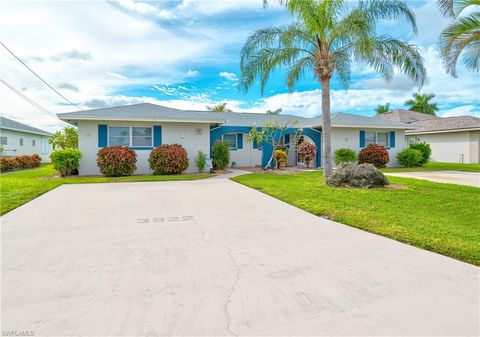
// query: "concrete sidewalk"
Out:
[215,258]
[450,177]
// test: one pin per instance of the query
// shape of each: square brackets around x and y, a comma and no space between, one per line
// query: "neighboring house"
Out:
[144,126]
[452,139]
[20,139]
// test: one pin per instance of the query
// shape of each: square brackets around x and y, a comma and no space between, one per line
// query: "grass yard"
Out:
[437,167]
[443,218]
[17,188]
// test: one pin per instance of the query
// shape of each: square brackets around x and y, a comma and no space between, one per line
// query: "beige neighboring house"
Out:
[20,139]
[452,139]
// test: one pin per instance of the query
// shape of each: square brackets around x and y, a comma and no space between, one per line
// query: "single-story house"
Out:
[144,126]
[452,139]
[20,139]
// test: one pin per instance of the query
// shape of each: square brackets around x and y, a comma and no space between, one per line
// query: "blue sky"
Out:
[185,54]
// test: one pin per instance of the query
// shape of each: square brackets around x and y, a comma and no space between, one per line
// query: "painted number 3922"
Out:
[167,219]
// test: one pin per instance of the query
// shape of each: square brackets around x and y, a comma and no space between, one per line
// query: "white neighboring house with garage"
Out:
[20,139]
[145,126]
[452,139]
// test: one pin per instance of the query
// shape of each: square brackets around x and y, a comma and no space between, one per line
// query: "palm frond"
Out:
[389,10]
[343,68]
[298,70]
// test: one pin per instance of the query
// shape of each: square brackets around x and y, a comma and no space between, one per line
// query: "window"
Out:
[119,136]
[21,141]
[142,136]
[136,136]
[33,142]
[379,138]
[382,139]
[411,141]
[231,139]
[4,140]
[44,145]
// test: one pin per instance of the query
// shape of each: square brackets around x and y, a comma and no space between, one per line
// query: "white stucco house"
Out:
[452,139]
[144,126]
[20,139]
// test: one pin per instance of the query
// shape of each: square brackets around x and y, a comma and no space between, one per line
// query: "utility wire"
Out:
[32,102]
[40,78]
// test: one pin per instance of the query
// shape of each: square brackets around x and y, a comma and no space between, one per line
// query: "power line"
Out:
[32,102]
[40,78]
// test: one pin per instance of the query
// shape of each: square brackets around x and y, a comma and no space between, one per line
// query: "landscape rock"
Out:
[352,175]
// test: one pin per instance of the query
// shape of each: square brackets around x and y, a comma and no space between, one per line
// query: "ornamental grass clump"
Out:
[168,159]
[116,161]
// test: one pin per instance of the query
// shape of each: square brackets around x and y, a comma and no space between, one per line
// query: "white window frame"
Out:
[376,138]
[130,134]
[236,140]
[20,141]
[6,140]
[44,145]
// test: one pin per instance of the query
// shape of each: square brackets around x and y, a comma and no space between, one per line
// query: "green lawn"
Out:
[17,188]
[443,218]
[437,167]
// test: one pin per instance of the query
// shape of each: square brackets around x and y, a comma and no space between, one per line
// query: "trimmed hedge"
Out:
[20,162]
[65,160]
[425,149]
[374,154]
[116,161]
[410,157]
[345,155]
[168,159]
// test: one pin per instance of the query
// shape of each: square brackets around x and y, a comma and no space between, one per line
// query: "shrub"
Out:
[116,161]
[280,156]
[66,160]
[168,159]
[201,161]
[425,149]
[374,154]
[308,151]
[345,156]
[410,157]
[20,162]
[351,175]
[220,155]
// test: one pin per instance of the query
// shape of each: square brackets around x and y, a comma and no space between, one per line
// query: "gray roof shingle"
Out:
[447,124]
[152,112]
[405,116]
[10,124]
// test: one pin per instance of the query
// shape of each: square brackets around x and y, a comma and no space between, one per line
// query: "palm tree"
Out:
[381,109]
[274,112]
[462,36]
[327,36]
[221,107]
[421,103]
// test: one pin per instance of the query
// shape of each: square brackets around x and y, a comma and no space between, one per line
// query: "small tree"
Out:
[308,151]
[200,161]
[221,107]
[271,133]
[274,112]
[65,139]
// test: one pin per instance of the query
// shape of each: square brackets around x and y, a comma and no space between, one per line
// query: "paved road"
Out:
[451,177]
[215,258]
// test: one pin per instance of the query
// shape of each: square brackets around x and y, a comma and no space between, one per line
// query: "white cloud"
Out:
[228,76]
[115,75]
[143,8]
[193,73]
[472,110]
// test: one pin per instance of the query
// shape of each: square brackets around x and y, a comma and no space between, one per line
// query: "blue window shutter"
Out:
[362,138]
[102,135]
[157,135]
[392,138]
[255,144]
[287,139]
[239,140]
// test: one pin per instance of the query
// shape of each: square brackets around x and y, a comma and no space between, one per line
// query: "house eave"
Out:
[25,131]
[412,133]
[159,120]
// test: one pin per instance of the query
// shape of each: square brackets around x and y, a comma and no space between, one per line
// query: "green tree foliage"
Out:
[65,160]
[381,109]
[325,39]
[221,107]
[421,103]
[274,112]
[462,37]
[65,139]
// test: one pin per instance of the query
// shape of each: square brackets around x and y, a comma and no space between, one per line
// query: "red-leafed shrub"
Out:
[20,162]
[308,151]
[374,154]
[168,159]
[116,161]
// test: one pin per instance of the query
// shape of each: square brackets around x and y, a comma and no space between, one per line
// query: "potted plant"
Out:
[282,164]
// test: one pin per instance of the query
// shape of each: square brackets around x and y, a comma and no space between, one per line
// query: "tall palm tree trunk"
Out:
[326,129]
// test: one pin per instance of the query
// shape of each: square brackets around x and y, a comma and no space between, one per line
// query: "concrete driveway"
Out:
[451,177]
[215,258]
